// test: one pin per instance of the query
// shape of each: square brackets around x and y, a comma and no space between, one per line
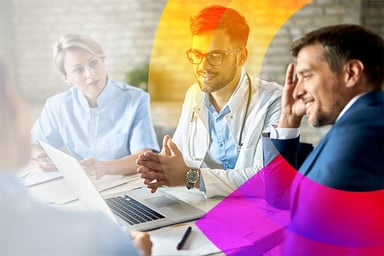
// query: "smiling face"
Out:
[214,78]
[86,72]
[322,91]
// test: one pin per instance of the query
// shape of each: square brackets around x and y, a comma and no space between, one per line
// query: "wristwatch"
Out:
[192,177]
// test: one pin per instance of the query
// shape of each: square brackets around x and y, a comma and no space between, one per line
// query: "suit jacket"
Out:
[337,196]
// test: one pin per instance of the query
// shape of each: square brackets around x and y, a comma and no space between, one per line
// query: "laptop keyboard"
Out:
[131,210]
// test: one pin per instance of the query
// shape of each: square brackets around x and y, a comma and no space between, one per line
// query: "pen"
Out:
[24,175]
[184,238]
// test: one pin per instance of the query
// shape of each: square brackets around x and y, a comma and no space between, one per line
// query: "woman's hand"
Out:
[94,168]
[45,163]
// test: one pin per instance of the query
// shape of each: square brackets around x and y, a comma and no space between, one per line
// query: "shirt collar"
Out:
[349,105]
[241,81]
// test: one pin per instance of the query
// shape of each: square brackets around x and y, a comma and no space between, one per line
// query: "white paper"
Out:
[53,192]
[33,175]
[166,239]
[58,192]
[111,181]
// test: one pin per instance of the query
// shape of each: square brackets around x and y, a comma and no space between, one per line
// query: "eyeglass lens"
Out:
[214,59]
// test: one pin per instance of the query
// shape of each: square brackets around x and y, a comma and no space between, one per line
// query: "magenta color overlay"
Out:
[238,224]
[324,221]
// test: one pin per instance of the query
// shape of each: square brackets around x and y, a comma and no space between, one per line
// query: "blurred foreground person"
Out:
[31,228]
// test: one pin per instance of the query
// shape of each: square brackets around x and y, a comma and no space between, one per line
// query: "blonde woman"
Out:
[102,122]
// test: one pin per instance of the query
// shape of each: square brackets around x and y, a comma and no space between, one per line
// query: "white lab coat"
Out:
[192,136]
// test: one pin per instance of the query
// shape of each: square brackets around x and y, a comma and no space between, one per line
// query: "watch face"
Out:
[192,176]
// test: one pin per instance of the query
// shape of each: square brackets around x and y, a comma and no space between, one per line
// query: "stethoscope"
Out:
[240,141]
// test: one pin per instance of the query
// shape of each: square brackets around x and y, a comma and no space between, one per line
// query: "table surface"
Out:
[57,193]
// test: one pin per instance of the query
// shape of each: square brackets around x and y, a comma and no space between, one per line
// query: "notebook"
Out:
[137,209]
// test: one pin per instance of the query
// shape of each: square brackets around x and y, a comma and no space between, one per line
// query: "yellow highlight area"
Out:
[170,74]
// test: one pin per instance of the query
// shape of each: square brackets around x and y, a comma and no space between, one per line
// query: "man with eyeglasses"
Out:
[216,146]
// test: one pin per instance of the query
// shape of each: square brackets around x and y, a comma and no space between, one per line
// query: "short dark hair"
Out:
[344,42]
[219,17]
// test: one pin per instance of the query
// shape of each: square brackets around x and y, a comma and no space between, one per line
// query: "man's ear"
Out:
[243,56]
[354,71]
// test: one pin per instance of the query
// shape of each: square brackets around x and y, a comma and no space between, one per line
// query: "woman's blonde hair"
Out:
[74,41]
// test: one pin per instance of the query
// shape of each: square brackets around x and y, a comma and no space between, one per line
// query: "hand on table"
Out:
[94,168]
[45,163]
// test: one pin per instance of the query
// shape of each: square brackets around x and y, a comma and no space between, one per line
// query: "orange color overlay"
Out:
[170,73]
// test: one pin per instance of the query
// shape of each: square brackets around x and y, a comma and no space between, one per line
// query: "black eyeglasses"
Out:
[215,58]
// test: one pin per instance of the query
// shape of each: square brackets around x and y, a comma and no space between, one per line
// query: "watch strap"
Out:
[192,176]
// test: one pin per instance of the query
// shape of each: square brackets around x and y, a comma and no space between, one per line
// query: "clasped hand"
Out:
[165,169]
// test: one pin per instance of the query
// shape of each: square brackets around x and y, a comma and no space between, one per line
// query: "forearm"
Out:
[278,173]
[220,182]
[123,166]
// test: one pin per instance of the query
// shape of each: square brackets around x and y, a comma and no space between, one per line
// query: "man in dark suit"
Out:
[337,196]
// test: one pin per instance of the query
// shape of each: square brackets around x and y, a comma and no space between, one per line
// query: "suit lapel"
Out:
[372,98]
[375,97]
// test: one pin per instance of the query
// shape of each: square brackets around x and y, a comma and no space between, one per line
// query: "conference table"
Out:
[262,236]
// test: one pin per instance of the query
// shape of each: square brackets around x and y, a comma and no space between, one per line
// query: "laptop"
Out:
[137,209]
